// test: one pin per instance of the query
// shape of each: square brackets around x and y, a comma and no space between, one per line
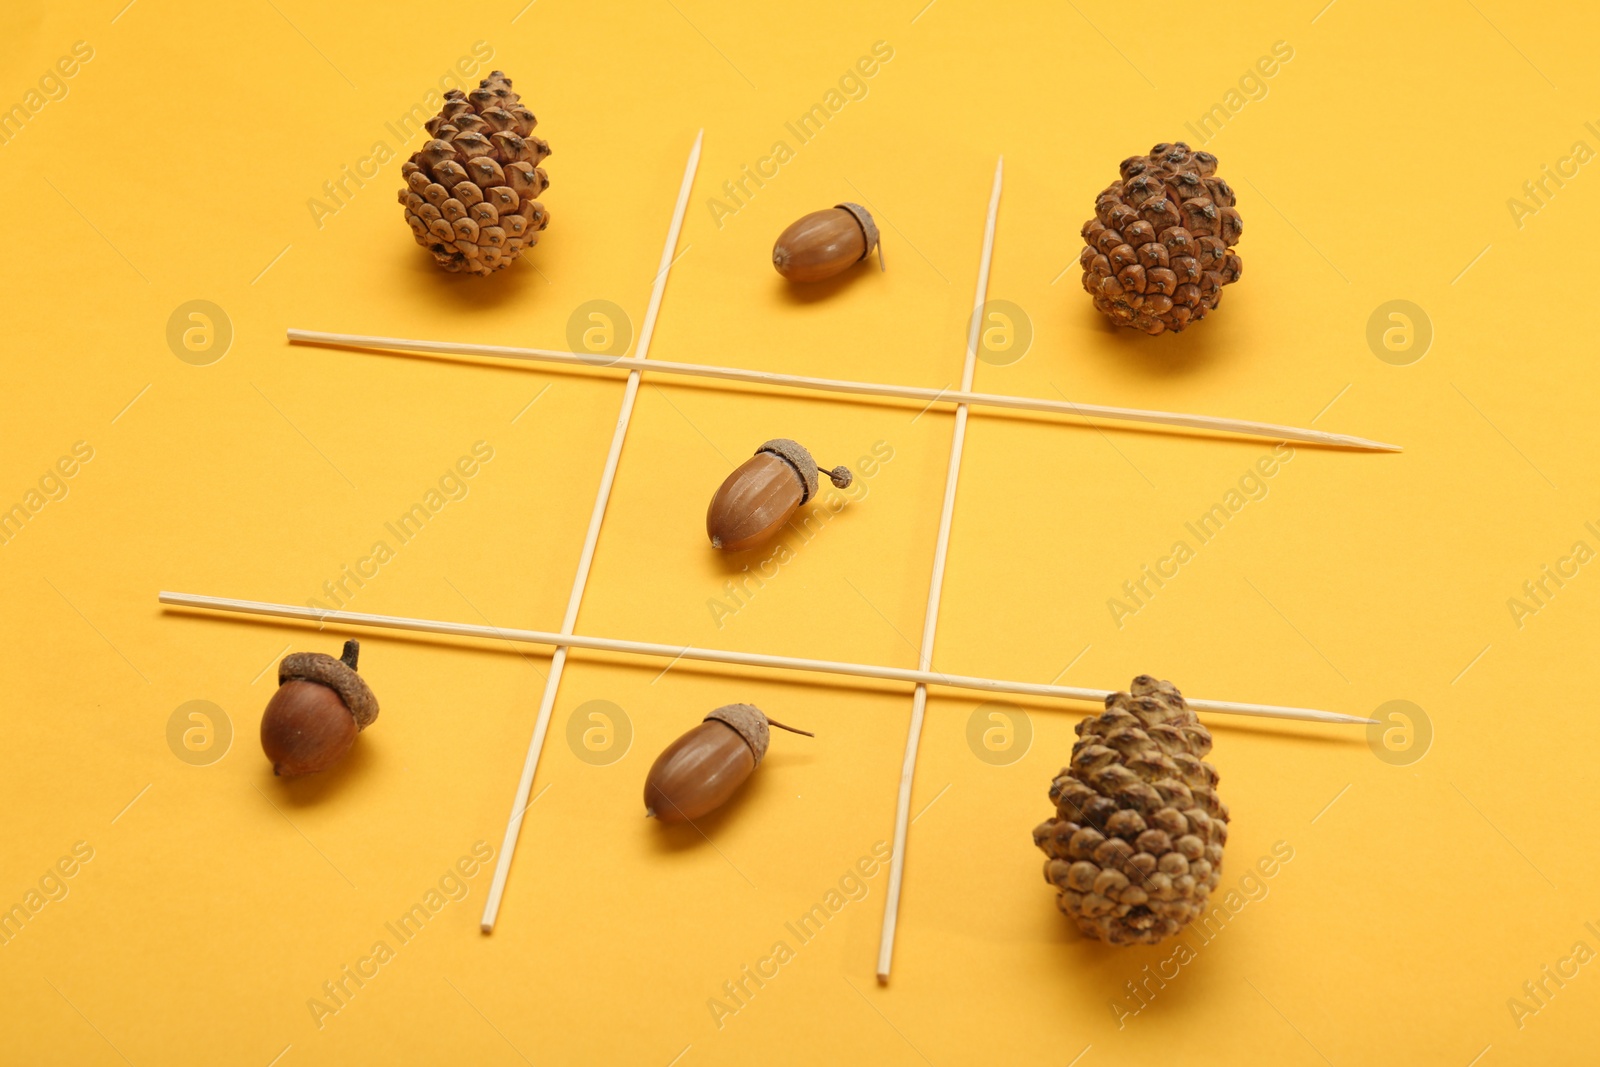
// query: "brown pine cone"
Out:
[1136,845]
[470,194]
[1160,247]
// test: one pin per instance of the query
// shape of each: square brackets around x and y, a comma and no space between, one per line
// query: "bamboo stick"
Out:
[741,659]
[930,616]
[519,805]
[633,364]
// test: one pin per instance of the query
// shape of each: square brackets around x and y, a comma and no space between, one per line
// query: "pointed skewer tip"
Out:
[1363,442]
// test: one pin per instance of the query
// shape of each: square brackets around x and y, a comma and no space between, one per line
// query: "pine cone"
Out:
[470,191]
[1160,247]
[1136,845]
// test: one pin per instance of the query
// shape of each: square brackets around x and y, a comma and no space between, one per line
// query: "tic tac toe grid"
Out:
[921,677]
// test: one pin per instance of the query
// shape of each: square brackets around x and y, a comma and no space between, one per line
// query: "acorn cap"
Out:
[338,675]
[749,722]
[795,454]
[869,229]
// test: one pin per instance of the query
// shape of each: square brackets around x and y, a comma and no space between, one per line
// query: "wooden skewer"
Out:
[530,765]
[739,659]
[930,617]
[634,364]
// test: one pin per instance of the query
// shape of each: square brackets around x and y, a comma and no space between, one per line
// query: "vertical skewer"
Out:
[930,620]
[519,805]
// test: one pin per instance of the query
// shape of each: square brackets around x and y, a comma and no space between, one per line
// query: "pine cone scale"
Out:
[471,190]
[1135,847]
[1160,247]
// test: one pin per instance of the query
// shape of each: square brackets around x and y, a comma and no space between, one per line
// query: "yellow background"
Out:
[1377,166]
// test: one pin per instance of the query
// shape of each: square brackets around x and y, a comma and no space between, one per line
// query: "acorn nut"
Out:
[698,772]
[754,502]
[825,243]
[313,718]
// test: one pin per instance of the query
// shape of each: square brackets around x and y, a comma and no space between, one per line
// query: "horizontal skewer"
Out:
[711,655]
[836,385]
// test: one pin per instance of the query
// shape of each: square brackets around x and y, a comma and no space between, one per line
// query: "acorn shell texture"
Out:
[825,243]
[753,503]
[306,728]
[702,769]
[320,705]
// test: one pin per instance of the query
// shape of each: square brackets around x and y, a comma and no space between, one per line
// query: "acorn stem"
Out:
[352,651]
[840,476]
[792,729]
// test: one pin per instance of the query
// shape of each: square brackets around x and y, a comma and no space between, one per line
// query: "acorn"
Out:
[825,243]
[313,718]
[698,772]
[754,502]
